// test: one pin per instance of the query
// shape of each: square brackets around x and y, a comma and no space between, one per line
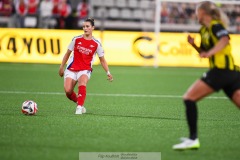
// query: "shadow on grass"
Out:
[134,116]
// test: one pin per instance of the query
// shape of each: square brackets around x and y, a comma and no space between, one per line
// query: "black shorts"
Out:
[224,79]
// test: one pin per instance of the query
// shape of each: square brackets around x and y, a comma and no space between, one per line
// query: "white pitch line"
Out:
[103,94]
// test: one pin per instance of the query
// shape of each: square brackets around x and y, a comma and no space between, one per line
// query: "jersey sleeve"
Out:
[219,31]
[100,50]
[71,45]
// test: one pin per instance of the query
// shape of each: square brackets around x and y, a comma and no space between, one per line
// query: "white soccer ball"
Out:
[29,107]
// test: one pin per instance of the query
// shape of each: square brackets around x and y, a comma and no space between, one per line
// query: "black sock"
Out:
[191,115]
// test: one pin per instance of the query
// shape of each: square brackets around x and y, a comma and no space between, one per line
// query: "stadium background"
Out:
[114,21]
[141,111]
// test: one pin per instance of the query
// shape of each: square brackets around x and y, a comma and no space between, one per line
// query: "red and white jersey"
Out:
[84,52]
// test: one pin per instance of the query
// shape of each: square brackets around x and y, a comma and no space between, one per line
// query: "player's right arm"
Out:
[64,61]
[191,41]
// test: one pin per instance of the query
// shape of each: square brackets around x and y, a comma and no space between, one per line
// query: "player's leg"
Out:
[70,80]
[197,91]
[83,78]
[236,93]
[232,89]
[236,98]
[69,85]
[82,83]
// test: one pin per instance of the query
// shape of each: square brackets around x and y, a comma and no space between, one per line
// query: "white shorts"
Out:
[76,74]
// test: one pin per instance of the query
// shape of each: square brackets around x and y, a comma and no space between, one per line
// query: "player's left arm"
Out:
[221,44]
[103,61]
[106,68]
[222,34]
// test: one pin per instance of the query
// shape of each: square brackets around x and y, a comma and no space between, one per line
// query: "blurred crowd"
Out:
[184,13]
[64,15]
[43,13]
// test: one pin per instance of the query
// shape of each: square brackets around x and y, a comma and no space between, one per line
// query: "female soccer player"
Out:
[223,74]
[79,66]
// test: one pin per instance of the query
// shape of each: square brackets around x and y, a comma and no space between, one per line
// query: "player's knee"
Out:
[186,97]
[82,83]
[68,91]
[190,97]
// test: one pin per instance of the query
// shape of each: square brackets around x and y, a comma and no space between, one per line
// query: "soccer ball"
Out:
[29,107]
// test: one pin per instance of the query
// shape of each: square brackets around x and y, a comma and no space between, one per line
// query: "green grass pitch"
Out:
[141,111]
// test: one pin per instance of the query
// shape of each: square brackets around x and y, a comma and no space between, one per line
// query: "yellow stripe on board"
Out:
[121,47]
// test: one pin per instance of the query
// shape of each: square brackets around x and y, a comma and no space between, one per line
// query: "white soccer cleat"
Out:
[84,109]
[187,144]
[79,110]
[182,139]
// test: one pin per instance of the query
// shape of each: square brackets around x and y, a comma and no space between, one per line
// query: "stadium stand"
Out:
[125,15]
[175,16]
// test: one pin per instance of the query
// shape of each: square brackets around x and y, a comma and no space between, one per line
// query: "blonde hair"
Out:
[214,11]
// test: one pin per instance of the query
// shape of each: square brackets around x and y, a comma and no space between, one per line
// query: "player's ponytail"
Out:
[224,19]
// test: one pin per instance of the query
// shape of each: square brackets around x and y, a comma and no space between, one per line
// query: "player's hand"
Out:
[190,39]
[205,55]
[110,77]
[61,71]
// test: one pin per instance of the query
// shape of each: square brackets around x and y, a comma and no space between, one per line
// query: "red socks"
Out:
[72,97]
[81,95]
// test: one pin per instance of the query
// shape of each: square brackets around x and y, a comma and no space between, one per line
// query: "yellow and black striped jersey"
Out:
[209,37]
